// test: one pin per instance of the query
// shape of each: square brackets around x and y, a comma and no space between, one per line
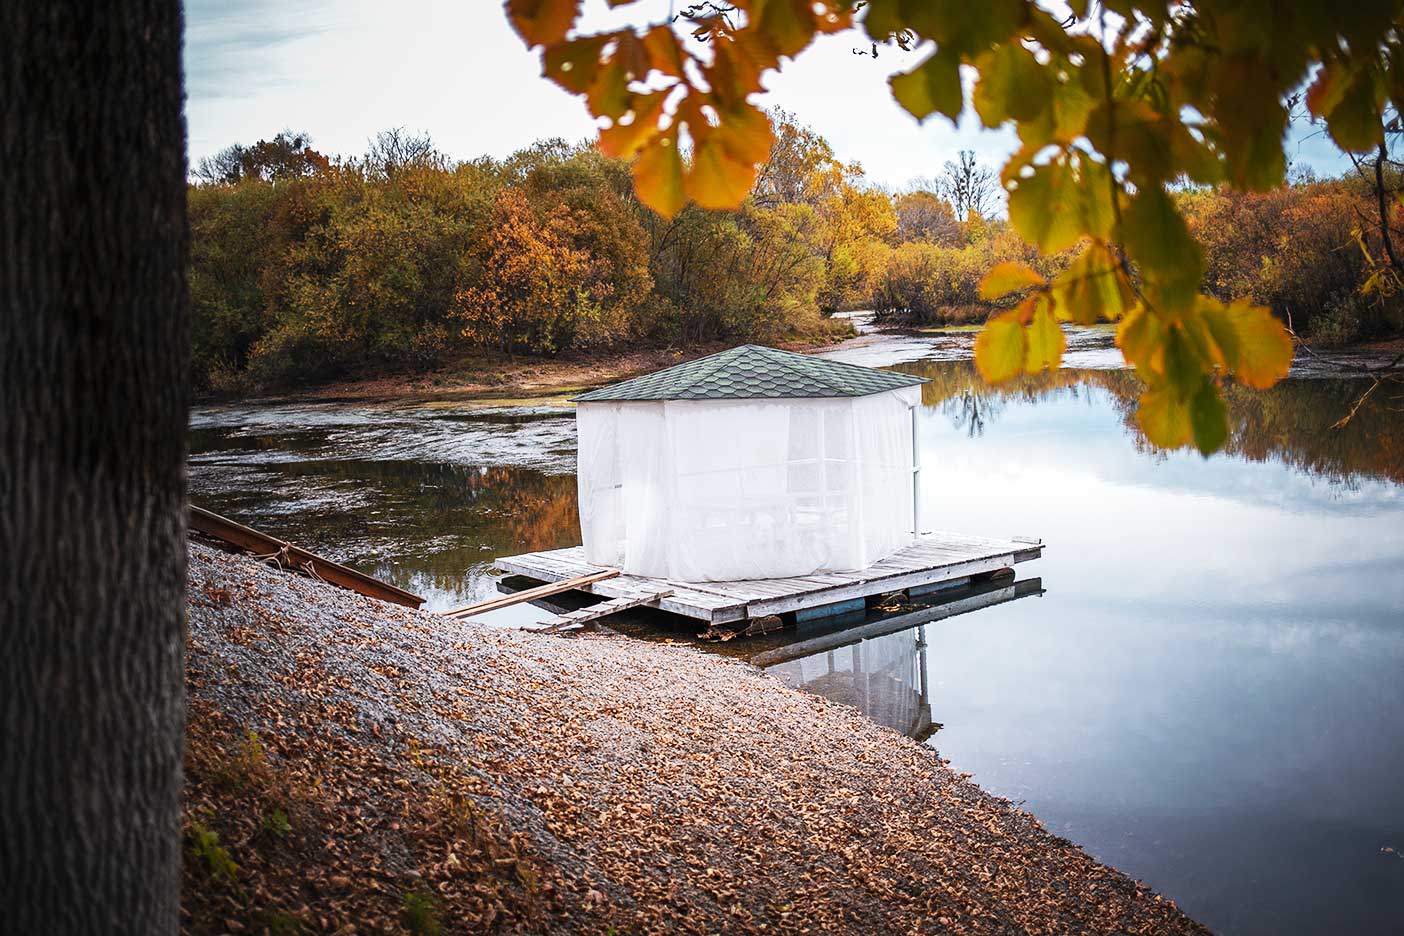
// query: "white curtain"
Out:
[718,490]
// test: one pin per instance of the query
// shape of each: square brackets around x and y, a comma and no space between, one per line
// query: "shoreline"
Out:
[501,380]
[352,765]
[495,378]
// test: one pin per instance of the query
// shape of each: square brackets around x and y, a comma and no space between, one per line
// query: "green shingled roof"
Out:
[753,372]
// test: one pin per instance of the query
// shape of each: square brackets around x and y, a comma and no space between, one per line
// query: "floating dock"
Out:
[936,560]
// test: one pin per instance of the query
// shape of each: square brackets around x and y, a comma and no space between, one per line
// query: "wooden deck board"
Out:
[937,557]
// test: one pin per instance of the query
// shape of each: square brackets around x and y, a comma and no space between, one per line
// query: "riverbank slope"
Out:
[358,767]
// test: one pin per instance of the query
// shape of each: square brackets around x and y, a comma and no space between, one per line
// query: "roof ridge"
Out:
[753,371]
[815,374]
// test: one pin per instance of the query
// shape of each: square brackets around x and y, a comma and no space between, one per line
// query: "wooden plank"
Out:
[541,591]
[596,611]
[261,544]
[877,585]
[935,558]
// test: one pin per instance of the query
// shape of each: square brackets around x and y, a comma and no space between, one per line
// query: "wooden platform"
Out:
[936,559]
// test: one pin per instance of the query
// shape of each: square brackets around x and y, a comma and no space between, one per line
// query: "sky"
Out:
[455,70]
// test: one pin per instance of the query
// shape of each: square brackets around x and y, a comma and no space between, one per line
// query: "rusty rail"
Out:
[261,544]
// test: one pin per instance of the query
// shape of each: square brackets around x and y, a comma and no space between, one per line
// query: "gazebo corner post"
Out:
[916,477]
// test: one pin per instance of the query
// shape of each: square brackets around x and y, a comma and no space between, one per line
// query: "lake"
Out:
[1202,681]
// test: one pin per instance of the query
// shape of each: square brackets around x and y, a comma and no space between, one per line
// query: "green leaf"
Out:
[1061,202]
[1157,238]
[1000,347]
[1012,86]
[1007,277]
[1208,419]
[1045,340]
[933,86]
[1182,368]
[1062,122]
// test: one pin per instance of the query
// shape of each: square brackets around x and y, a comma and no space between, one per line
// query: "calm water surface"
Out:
[1204,686]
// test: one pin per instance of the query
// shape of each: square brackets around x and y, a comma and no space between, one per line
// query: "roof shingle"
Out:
[753,372]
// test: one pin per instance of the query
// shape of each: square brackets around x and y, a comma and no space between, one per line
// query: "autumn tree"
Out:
[93,401]
[923,215]
[971,188]
[1112,106]
[542,284]
[288,155]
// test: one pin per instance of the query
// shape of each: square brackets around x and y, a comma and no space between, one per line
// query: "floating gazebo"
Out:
[750,463]
[750,483]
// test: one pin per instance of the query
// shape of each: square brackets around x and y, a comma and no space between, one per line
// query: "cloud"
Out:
[230,44]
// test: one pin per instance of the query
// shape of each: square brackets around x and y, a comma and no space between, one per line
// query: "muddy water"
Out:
[1209,695]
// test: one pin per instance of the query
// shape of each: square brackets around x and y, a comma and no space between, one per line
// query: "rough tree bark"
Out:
[93,398]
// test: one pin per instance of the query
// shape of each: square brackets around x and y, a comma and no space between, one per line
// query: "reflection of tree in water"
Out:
[1291,423]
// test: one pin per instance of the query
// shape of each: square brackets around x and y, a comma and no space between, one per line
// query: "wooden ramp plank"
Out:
[596,611]
[540,591]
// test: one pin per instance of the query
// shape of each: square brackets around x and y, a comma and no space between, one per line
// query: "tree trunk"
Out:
[93,398]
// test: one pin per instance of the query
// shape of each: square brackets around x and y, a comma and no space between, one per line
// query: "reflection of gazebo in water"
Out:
[883,677]
[878,665]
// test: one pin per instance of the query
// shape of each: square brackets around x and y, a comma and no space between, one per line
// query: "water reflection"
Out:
[1291,423]
[880,667]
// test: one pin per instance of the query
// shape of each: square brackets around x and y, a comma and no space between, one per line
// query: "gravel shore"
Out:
[355,767]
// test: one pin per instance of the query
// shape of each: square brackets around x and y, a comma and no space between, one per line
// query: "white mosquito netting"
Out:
[718,490]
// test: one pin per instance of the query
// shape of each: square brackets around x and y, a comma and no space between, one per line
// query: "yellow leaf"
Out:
[1094,287]
[1000,347]
[1061,202]
[1164,418]
[658,175]
[745,133]
[1045,339]
[1007,277]
[623,140]
[716,179]
[1264,353]
[542,22]
[1139,336]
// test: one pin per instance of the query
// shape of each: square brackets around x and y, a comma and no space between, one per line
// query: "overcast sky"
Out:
[453,68]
